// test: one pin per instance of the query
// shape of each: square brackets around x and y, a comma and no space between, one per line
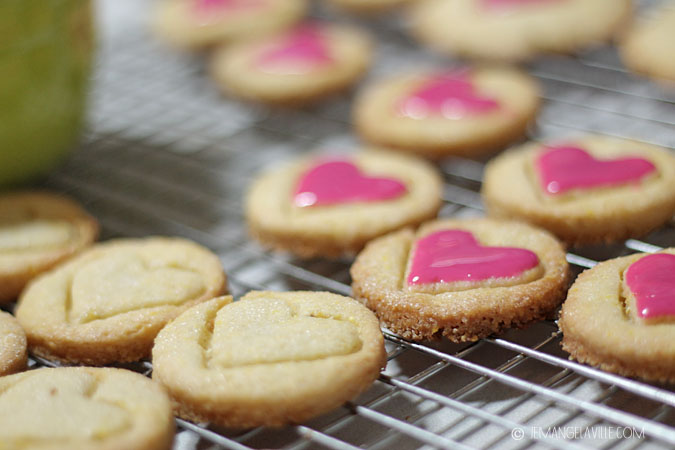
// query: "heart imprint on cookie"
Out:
[300,51]
[334,182]
[561,169]
[456,256]
[451,95]
[651,280]
[207,10]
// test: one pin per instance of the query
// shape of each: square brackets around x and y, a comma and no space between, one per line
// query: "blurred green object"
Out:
[45,62]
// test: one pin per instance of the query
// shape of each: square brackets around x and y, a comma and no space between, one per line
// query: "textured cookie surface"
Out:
[269,359]
[194,24]
[379,118]
[516,29]
[600,329]
[295,66]
[334,230]
[78,408]
[12,345]
[512,189]
[109,303]
[37,231]
[466,310]
[649,45]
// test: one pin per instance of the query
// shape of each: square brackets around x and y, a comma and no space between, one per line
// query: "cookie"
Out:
[269,359]
[368,6]
[12,345]
[465,111]
[620,316]
[108,304]
[37,231]
[648,46]
[78,408]
[330,206]
[297,66]
[584,190]
[462,279]
[196,24]
[516,30]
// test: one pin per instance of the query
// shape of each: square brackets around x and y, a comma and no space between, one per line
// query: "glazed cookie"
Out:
[512,30]
[620,316]
[12,345]
[587,190]
[37,231]
[269,359]
[331,206]
[83,408]
[463,279]
[464,112]
[368,6]
[649,45]
[194,24]
[108,304]
[294,67]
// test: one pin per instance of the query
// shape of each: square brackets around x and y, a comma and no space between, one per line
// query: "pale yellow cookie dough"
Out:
[378,120]
[177,22]
[511,190]
[463,311]
[342,229]
[649,45]
[83,408]
[369,6]
[467,28]
[37,231]
[269,359]
[108,304]
[235,70]
[600,331]
[12,345]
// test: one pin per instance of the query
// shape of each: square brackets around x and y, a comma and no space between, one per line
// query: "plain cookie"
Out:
[12,345]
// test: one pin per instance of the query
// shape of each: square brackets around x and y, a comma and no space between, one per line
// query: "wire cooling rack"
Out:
[165,154]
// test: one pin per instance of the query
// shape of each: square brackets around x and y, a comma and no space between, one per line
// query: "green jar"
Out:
[45,61]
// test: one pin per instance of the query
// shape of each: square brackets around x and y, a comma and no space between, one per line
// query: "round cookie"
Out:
[195,24]
[269,359]
[331,206]
[620,316]
[368,6]
[585,190]
[465,112]
[12,345]
[293,67]
[516,30]
[108,304]
[462,279]
[37,231]
[84,408]
[648,46]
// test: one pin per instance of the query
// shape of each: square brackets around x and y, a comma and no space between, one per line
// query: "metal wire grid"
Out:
[166,155]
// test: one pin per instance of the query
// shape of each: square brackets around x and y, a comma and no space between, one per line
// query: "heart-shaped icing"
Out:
[651,280]
[451,95]
[267,331]
[508,5]
[338,181]
[206,9]
[302,50]
[564,168]
[455,255]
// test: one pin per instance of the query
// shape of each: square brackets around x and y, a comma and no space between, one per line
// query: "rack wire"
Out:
[165,154]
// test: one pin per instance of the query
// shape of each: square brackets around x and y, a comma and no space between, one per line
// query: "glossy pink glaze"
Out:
[563,168]
[452,95]
[339,181]
[652,281]
[506,5]
[455,255]
[301,50]
[209,8]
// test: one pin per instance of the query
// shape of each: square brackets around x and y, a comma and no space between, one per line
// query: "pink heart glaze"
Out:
[208,8]
[506,5]
[338,181]
[302,50]
[455,255]
[564,168]
[651,279]
[451,95]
